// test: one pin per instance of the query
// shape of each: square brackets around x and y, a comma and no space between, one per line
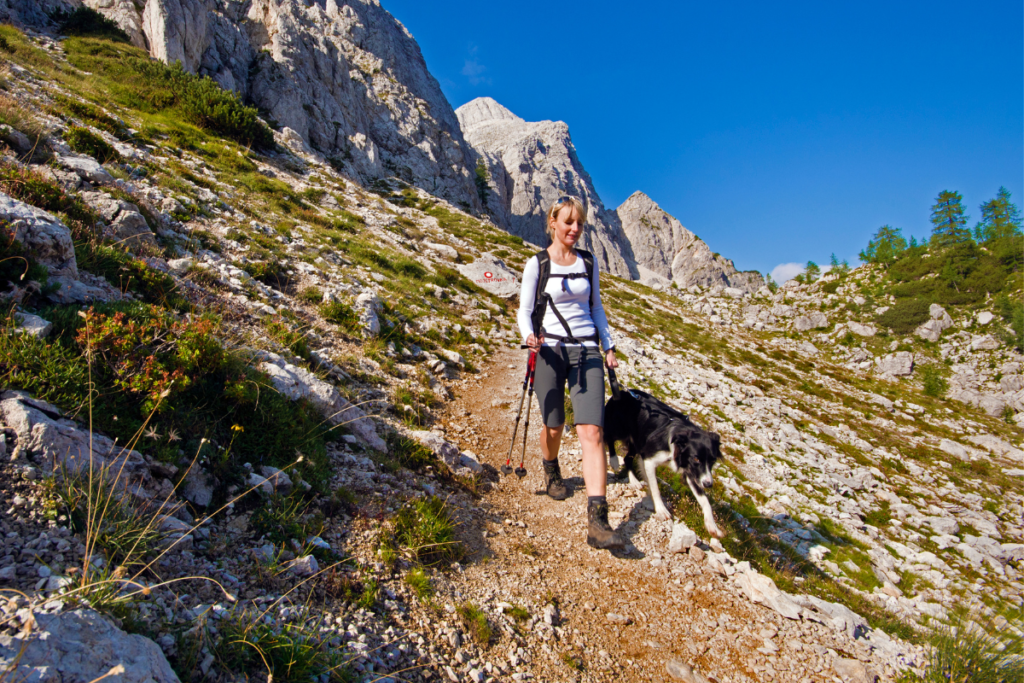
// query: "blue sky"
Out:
[778,132]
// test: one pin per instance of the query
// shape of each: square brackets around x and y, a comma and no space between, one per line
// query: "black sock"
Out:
[550,464]
[596,500]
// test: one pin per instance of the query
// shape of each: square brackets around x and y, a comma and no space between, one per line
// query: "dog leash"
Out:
[613,382]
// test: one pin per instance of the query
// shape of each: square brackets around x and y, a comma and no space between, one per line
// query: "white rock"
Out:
[43,235]
[862,330]
[295,383]
[305,566]
[806,348]
[985,343]
[682,538]
[81,646]
[32,325]
[955,449]
[457,461]
[87,168]
[445,250]
[811,321]
[369,308]
[985,317]
[897,364]
[492,275]
[761,589]
[943,525]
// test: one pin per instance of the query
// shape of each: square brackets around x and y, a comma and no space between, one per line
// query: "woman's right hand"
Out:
[534,342]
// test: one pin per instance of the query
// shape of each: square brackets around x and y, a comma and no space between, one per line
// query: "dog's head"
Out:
[695,452]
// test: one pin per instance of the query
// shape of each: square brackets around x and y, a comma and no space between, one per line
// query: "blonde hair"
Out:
[565,200]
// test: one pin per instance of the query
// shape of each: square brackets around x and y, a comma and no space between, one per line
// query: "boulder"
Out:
[985,317]
[993,444]
[87,168]
[46,239]
[734,292]
[492,275]
[862,330]
[125,223]
[806,348]
[984,343]
[298,383]
[78,647]
[955,449]
[304,566]
[197,487]
[933,328]
[812,321]
[58,444]
[943,525]
[32,325]
[449,453]
[444,250]
[682,538]
[761,589]
[369,308]
[899,364]
[852,671]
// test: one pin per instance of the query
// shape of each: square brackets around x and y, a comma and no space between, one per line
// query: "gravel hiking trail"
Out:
[629,616]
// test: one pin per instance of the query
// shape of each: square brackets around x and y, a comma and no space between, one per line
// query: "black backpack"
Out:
[544,263]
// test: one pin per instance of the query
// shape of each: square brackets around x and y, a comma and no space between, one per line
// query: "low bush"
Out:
[425,530]
[963,651]
[84,141]
[121,269]
[1012,311]
[475,621]
[340,314]
[905,316]
[420,583]
[932,381]
[410,453]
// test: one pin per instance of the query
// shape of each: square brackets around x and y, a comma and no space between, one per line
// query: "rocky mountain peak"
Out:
[664,248]
[483,110]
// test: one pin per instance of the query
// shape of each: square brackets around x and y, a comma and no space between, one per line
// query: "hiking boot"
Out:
[553,480]
[599,533]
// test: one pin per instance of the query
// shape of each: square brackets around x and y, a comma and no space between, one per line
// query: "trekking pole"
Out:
[531,365]
[531,370]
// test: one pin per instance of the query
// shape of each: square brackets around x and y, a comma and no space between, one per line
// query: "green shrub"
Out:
[933,382]
[475,621]
[128,273]
[293,340]
[962,651]
[311,295]
[1012,311]
[86,21]
[134,80]
[36,189]
[426,530]
[340,314]
[410,453]
[420,583]
[905,316]
[279,519]
[84,141]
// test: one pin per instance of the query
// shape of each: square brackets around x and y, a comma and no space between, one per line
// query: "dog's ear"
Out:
[716,445]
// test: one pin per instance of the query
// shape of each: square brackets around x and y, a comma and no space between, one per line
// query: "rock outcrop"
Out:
[662,245]
[529,165]
[82,646]
[345,75]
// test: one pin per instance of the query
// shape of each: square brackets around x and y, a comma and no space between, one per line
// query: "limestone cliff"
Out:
[344,74]
[529,164]
[662,245]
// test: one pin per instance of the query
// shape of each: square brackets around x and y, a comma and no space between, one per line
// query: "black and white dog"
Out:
[661,435]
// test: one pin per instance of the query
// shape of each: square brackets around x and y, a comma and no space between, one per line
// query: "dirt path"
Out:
[620,617]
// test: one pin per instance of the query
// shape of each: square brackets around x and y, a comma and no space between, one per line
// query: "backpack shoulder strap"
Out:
[588,261]
[543,273]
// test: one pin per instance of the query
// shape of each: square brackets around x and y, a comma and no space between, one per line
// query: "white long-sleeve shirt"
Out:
[574,304]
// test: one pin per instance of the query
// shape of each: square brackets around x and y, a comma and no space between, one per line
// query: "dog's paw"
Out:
[664,515]
[635,483]
[717,533]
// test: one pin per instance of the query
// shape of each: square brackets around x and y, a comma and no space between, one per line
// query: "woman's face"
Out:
[567,226]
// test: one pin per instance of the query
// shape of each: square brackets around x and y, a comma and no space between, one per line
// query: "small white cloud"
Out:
[786,271]
[473,69]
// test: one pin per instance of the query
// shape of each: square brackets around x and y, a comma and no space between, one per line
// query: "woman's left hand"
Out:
[610,360]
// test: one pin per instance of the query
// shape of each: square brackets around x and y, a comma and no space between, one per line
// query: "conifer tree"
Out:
[885,247]
[811,272]
[949,220]
[999,218]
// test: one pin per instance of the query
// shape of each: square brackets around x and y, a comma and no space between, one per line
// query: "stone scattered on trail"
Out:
[985,317]
[619,619]
[125,223]
[305,566]
[681,671]
[683,537]
[81,646]
[43,235]
[806,348]
[32,325]
[295,383]
[492,275]
[457,461]
[852,671]
[761,589]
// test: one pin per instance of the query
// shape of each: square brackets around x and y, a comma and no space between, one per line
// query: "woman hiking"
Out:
[561,318]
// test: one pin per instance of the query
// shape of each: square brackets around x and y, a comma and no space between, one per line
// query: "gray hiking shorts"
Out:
[556,365]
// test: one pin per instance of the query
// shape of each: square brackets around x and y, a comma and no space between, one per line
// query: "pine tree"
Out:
[999,218]
[811,272]
[885,247]
[949,220]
